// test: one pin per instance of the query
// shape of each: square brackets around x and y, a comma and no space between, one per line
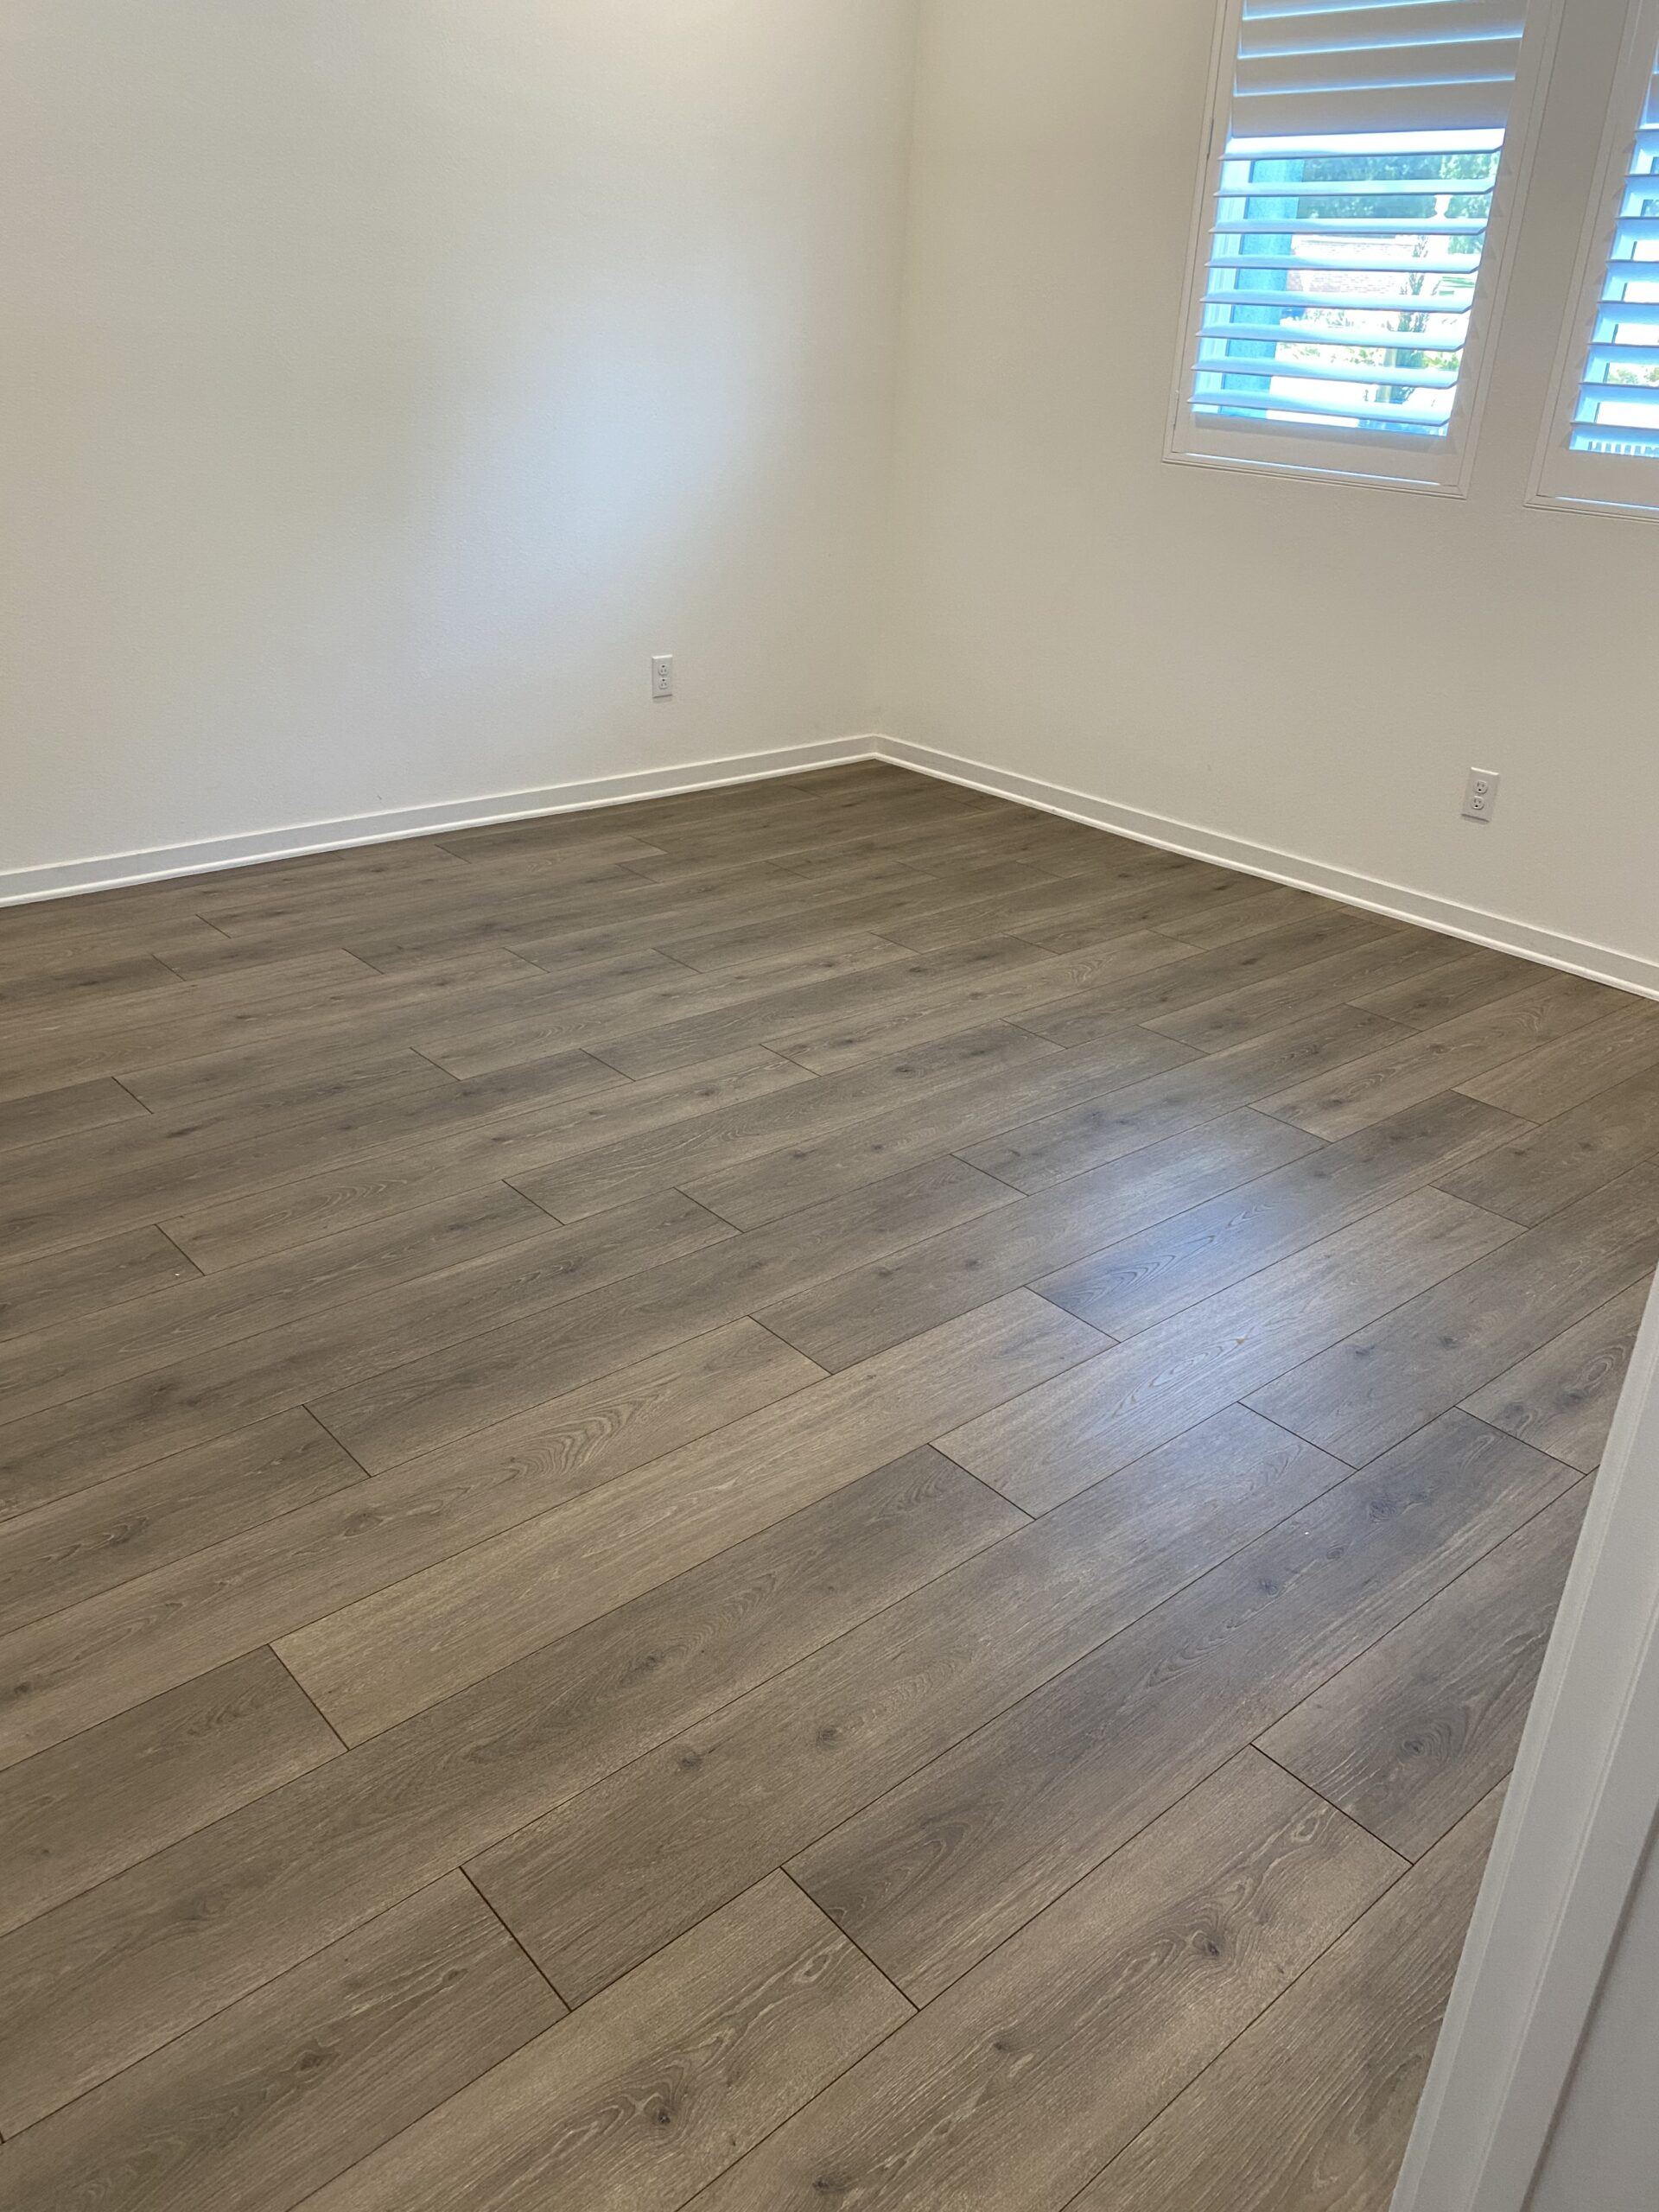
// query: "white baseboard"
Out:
[1627,971]
[19,886]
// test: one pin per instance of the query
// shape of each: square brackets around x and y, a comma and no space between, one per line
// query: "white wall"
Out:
[387,380]
[1307,667]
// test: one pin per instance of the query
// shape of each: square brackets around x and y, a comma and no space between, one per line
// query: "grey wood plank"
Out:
[252,1223]
[58,1286]
[1088,1424]
[1310,2110]
[36,1118]
[690,1150]
[374,1661]
[109,1797]
[655,2089]
[754,1784]
[1047,1151]
[1451,1053]
[87,1440]
[476,1380]
[284,2091]
[96,1539]
[1563,1074]
[949,1864]
[1562,1398]
[204,1605]
[1462,982]
[1412,1736]
[1388,1377]
[1207,975]
[1348,977]
[1009,2093]
[1543,1169]
[806,1172]
[114,1975]
[191,1319]
[1142,1279]
[855,1314]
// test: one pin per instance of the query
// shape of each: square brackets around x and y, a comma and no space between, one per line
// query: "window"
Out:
[1365,161]
[1602,448]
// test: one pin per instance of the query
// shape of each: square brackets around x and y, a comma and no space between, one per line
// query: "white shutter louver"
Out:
[1618,394]
[1360,160]
[1602,446]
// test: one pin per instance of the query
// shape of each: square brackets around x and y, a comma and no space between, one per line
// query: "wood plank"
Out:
[86,1440]
[1562,1398]
[726,1799]
[655,2089]
[1047,1151]
[67,1552]
[111,1976]
[1543,1169]
[191,1319]
[373,1662]
[1363,1395]
[1562,1074]
[911,981]
[806,1172]
[1142,1279]
[1012,2091]
[58,1286]
[1399,961]
[40,1115]
[475,1381]
[688,1150]
[1412,1736]
[206,1604]
[1207,975]
[1450,1054]
[109,1797]
[1067,1434]
[930,1879]
[857,1314]
[286,2090]
[251,1224]
[1310,2110]
[1464,983]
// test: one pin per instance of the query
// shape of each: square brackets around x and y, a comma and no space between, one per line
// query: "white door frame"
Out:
[1575,1828]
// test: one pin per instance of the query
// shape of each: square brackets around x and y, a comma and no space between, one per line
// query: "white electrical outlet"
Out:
[1480,795]
[661,676]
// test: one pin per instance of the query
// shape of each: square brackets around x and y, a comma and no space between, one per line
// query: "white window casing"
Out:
[1365,161]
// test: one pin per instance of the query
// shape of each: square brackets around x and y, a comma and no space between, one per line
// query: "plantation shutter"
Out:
[1617,410]
[1321,66]
[1350,202]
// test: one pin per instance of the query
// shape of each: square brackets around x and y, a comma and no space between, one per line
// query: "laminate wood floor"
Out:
[818,1493]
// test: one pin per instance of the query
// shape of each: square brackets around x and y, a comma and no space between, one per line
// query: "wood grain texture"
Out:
[109,1797]
[275,2097]
[945,1867]
[1008,2092]
[658,2087]
[1415,1732]
[1310,2109]
[1562,1396]
[803,1753]
[564,1384]
[113,1974]
[1063,1435]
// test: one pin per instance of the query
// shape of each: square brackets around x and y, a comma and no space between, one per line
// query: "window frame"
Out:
[1611,484]
[1319,453]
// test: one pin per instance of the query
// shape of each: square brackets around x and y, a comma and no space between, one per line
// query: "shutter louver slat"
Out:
[1354,192]
[1618,407]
